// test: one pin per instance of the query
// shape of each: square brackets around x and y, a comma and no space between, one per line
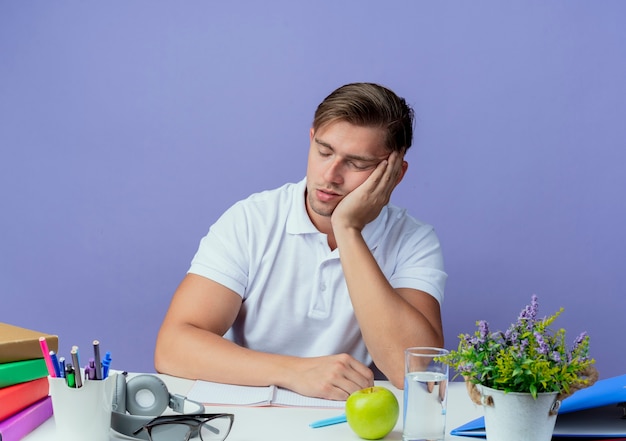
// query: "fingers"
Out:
[393,171]
[386,176]
[335,377]
[354,377]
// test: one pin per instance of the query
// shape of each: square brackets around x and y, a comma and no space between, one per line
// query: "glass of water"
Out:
[425,394]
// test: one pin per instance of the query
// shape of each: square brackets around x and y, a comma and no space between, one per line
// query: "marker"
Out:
[55,364]
[46,355]
[90,370]
[106,364]
[62,366]
[70,375]
[77,377]
[328,421]
[96,353]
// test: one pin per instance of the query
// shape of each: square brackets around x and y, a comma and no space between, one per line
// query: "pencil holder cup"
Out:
[83,413]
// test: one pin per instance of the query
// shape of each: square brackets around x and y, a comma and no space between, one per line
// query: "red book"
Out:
[22,423]
[20,396]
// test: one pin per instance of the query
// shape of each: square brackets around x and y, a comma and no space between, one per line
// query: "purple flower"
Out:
[529,313]
[579,340]
[543,347]
[473,340]
[511,336]
[467,338]
[556,356]
[523,345]
[483,329]
[465,368]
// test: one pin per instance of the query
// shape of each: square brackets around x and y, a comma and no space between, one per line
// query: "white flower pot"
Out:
[517,416]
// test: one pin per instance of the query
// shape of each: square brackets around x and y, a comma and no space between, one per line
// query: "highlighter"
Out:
[70,376]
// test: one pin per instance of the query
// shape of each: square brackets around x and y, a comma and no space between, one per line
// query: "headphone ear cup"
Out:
[145,385]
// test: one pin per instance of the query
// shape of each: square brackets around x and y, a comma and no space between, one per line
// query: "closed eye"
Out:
[360,166]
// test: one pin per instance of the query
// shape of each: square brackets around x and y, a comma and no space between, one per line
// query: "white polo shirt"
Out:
[295,299]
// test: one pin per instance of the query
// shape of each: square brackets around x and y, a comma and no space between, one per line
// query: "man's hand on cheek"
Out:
[365,202]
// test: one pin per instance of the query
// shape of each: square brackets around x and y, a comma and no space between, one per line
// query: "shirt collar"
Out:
[298,221]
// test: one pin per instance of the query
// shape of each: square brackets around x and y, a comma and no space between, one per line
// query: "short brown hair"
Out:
[369,105]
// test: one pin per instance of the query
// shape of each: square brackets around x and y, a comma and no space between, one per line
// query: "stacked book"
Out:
[24,400]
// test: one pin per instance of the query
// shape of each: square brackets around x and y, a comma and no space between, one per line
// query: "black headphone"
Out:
[125,399]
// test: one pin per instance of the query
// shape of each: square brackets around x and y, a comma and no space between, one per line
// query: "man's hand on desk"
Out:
[332,377]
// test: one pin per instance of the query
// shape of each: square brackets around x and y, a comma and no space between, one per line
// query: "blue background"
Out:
[128,127]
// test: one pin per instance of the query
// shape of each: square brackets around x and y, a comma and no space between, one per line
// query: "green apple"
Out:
[372,412]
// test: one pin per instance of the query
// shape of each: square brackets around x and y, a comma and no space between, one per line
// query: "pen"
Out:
[55,364]
[96,353]
[46,355]
[77,378]
[328,421]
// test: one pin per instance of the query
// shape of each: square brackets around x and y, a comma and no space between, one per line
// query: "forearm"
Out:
[389,322]
[187,351]
[193,353]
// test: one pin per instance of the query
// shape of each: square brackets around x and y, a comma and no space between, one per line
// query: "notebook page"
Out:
[285,397]
[207,392]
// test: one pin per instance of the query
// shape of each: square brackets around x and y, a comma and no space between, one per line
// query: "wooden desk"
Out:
[289,424]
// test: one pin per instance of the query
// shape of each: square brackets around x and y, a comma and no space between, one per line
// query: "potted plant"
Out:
[523,372]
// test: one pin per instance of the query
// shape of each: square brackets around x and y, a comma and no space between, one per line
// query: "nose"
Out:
[334,172]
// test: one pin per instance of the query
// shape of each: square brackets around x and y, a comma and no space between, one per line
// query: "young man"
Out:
[304,286]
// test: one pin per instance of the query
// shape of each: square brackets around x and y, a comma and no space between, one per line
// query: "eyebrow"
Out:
[351,157]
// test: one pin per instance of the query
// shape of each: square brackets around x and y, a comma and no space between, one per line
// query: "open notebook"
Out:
[210,393]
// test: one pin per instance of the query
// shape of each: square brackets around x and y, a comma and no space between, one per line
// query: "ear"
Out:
[311,134]
[405,167]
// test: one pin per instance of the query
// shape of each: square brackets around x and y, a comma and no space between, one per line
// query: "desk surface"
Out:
[280,423]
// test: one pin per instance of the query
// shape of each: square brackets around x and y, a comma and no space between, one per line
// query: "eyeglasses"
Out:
[206,427]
